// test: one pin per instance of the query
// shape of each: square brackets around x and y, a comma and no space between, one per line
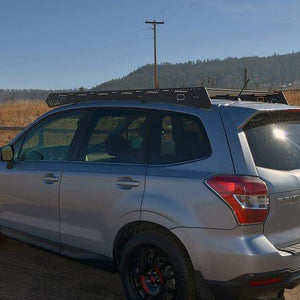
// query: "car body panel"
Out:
[92,204]
[27,203]
[223,255]
[177,191]
[282,226]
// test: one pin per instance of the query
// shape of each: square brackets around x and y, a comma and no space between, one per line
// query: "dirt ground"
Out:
[27,272]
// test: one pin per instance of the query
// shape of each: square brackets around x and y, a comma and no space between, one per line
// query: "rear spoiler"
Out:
[199,97]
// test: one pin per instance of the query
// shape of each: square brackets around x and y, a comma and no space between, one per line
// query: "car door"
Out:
[29,189]
[104,188]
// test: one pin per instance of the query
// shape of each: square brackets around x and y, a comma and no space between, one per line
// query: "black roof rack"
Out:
[248,95]
[199,97]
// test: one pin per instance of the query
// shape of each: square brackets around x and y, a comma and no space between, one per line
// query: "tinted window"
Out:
[274,140]
[115,136]
[17,148]
[177,137]
[51,140]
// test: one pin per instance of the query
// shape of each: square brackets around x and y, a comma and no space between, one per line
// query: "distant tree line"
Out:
[14,95]
[10,95]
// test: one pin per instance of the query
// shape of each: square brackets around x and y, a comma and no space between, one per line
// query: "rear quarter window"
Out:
[177,137]
[274,139]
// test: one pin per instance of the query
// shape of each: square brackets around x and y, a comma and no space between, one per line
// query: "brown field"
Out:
[22,113]
[293,97]
[18,114]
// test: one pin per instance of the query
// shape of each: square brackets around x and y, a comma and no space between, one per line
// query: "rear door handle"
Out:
[127,182]
[50,178]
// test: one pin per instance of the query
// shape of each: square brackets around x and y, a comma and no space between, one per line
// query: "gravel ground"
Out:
[27,272]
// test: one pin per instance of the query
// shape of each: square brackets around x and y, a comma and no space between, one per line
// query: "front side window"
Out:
[177,137]
[115,136]
[51,140]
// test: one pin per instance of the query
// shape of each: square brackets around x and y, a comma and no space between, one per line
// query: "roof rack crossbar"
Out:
[199,97]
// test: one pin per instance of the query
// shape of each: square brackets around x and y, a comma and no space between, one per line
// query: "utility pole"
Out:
[154,23]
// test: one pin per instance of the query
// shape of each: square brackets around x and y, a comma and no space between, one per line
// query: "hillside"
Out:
[271,72]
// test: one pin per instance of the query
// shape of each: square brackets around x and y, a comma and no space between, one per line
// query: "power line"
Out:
[155,23]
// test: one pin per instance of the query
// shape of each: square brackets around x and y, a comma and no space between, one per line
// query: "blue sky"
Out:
[53,44]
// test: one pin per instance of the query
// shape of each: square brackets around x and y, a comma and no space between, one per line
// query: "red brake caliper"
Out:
[143,284]
[152,279]
[160,275]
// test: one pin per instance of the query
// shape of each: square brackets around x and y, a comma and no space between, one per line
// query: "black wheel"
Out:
[154,265]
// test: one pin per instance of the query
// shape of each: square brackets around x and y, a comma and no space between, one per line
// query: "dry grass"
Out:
[19,114]
[22,113]
[293,97]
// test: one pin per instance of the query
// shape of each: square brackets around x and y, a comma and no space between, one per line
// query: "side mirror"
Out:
[7,153]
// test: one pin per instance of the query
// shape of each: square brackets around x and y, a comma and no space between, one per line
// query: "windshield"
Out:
[274,139]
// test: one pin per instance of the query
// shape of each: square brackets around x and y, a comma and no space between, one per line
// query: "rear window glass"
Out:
[274,140]
[177,137]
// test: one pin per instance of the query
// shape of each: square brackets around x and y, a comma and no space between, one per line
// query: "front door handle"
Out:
[127,182]
[50,178]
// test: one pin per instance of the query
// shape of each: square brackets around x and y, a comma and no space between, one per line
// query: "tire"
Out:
[154,265]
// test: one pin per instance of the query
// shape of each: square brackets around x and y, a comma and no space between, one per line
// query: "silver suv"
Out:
[188,197]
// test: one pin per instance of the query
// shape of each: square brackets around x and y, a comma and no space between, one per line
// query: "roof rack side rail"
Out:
[196,96]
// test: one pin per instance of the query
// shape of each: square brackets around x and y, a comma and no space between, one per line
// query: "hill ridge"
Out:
[265,72]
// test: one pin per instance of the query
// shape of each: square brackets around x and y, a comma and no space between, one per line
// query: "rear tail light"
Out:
[247,196]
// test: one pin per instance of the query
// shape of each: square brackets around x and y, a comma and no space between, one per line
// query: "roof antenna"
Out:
[240,93]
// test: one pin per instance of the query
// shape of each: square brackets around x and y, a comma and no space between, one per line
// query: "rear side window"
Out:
[274,140]
[177,137]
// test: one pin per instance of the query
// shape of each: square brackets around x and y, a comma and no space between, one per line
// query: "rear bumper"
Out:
[241,288]
[222,255]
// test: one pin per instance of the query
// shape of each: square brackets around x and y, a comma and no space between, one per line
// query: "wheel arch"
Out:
[129,230]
